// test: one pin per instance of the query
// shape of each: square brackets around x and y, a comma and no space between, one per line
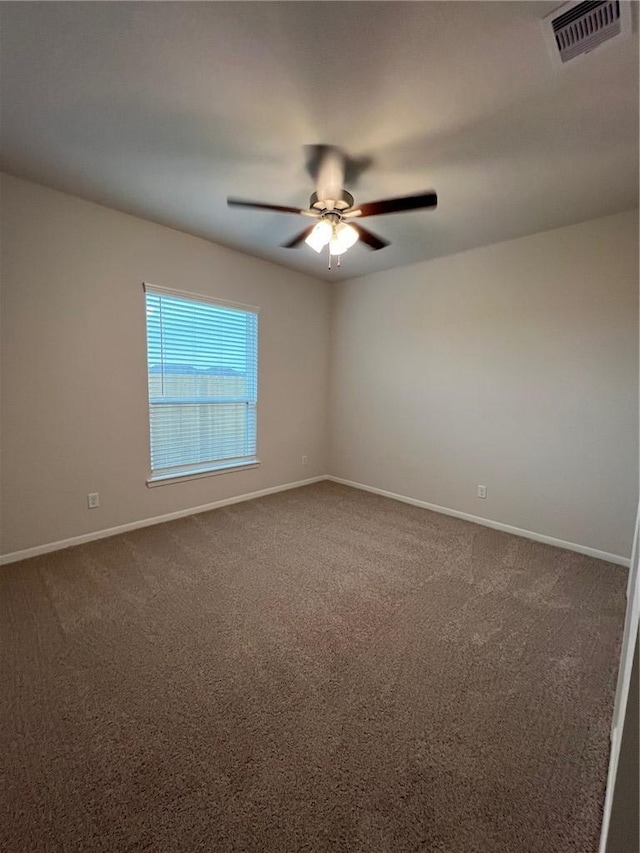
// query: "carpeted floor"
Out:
[318,670]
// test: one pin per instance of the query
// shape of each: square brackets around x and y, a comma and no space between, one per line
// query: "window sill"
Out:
[166,479]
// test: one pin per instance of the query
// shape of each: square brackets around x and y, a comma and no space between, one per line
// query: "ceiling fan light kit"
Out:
[339,236]
[344,237]
[320,235]
[334,209]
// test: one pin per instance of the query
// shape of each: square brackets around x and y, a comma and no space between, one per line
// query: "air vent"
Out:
[579,28]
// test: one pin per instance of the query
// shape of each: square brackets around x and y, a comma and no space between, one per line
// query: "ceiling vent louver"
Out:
[580,27]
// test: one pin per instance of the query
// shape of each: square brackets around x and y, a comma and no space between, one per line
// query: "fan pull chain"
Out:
[338,257]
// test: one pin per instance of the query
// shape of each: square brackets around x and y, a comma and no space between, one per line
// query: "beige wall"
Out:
[514,366]
[74,386]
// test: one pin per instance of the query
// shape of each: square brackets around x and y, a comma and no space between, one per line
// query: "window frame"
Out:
[207,469]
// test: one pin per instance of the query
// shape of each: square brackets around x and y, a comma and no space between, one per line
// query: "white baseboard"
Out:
[147,522]
[487,522]
[159,519]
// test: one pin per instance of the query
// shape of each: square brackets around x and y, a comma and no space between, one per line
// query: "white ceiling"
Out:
[164,109]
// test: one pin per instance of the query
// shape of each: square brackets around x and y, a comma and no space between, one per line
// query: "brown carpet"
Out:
[319,670]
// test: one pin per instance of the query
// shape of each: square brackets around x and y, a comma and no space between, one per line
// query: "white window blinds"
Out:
[202,359]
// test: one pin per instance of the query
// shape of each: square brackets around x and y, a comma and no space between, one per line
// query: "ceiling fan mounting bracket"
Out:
[344,202]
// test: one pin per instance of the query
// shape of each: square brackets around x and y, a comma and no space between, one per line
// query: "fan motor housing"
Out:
[344,202]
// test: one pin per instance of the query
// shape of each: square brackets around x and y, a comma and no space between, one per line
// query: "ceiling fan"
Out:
[332,207]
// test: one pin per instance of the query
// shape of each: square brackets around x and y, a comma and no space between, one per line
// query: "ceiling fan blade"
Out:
[314,154]
[396,205]
[294,242]
[258,205]
[352,167]
[367,237]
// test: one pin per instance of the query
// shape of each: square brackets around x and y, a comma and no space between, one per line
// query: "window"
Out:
[202,360]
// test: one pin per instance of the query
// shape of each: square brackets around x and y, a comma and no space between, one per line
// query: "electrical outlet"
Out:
[93,500]
[482,491]
[304,460]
